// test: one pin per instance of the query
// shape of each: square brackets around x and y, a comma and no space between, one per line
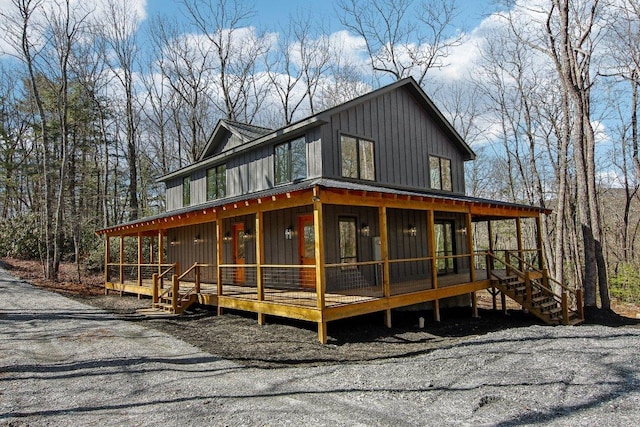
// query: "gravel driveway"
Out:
[66,363]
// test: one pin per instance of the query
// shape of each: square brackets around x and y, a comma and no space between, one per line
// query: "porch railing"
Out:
[535,278]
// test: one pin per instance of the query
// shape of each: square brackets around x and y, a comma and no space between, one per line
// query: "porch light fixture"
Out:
[365,230]
[197,240]
[247,235]
[173,241]
[462,230]
[288,233]
[227,237]
[412,230]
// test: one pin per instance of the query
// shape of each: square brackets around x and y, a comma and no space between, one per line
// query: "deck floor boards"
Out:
[307,298]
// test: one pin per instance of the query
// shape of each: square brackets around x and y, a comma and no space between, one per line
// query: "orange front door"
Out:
[307,251]
[238,252]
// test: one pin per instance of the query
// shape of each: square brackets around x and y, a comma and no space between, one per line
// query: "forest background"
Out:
[98,99]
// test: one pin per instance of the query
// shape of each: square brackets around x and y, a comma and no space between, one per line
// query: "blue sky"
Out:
[274,13]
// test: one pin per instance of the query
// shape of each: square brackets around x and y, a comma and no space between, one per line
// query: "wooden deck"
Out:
[421,289]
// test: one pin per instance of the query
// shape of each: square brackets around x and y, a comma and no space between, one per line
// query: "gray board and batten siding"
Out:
[248,172]
[404,125]
[404,137]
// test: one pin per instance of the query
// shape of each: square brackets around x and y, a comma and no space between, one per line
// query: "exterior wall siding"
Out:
[249,172]
[404,136]
[174,194]
[185,252]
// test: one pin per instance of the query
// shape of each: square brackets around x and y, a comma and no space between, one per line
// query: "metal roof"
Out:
[325,183]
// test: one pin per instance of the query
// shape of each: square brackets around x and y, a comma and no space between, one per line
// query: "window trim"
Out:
[216,169]
[358,156]
[290,161]
[440,159]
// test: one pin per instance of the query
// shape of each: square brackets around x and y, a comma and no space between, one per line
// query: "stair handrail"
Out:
[532,267]
[561,299]
[171,267]
[506,264]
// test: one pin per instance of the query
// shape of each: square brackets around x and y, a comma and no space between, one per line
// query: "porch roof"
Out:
[480,208]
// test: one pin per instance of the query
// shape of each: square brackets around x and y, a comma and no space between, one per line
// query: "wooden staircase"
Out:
[530,287]
[173,301]
[168,304]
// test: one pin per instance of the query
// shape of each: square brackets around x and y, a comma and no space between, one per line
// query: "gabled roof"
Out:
[421,97]
[244,131]
[253,136]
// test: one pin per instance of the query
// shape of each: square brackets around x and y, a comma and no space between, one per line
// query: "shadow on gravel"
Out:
[46,315]
[625,385]
[102,367]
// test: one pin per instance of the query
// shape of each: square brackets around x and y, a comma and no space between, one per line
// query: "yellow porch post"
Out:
[121,261]
[384,253]
[160,251]
[219,259]
[431,227]
[519,237]
[320,274]
[541,264]
[472,267]
[259,262]
[140,260]
[107,258]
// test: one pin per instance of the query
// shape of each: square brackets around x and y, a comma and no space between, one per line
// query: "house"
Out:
[357,209]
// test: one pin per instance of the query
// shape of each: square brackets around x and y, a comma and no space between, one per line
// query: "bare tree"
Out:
[120,35]
[573,34]
[403,39]
[186,66]
[238,50]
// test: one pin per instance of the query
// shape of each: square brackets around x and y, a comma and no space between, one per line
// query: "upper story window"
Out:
[186,191]
[440,172]
[290,161]
[216,182]
[357,158]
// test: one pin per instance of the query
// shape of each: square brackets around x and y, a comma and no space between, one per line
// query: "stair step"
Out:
[539,299]
[548,305]
[155,312]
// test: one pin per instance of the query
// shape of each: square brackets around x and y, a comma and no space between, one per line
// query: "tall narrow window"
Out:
[186,191]
[216,182]
[348,240]
[445,246]
[358,160]
[290,161]
[440,173]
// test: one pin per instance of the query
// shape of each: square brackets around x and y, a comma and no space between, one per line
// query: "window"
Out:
[445,246]
[291,161]
[357,158]
[348,241]
[440,169]
[186,191]
[217,182]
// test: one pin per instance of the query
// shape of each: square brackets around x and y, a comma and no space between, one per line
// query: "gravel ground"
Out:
[66,363]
